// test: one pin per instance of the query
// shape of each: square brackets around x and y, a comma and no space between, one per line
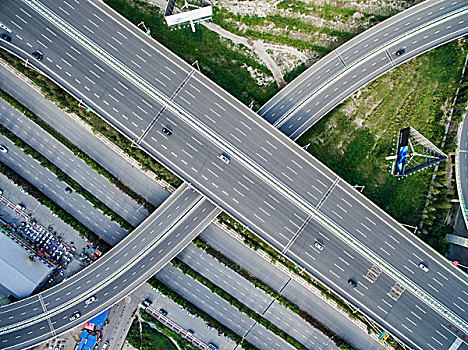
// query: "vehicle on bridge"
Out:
[76,315]
[225,158]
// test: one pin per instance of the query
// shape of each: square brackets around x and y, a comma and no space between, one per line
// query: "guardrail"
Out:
[248,163]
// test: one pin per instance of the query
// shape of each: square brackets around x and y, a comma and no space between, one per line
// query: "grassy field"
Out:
[355,138]
[150,338]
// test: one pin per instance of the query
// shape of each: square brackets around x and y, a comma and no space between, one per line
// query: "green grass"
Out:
[414,94]
[218,58]
[283,25]
[151,339]
[330,12]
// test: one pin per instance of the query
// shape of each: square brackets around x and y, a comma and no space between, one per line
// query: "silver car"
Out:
[225,158]
[318,245]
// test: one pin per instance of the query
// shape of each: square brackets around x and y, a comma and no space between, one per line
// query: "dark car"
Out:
[68,190]
[352,283]
[400,52]
[163,312]
[167,131]
[38,55]
[5,37]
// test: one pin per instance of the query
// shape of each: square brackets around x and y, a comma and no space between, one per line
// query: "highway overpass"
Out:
[282,193]
[163,235]
[362,59]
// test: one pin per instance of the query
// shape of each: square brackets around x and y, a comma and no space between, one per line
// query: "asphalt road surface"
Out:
[284,192]
[314,305]
[179,315]
[159,238]
[319,89]
[26,129]
[62,122]
[203,298]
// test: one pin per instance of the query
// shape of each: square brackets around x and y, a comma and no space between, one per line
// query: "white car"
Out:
[423,267]
[225,158]
[318,245]
[90,300]
[3,149]
[75,316]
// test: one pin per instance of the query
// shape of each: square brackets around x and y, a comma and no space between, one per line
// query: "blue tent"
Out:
[99,320]
[91,342]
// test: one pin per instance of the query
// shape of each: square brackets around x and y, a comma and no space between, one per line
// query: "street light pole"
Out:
[76,155]
[38,204]
[357,187]
[413,227]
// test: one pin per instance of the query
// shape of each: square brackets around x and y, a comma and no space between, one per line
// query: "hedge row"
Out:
[176,297]
[54,207]
[270,291]
[61,176]
[236,303]
[77,151]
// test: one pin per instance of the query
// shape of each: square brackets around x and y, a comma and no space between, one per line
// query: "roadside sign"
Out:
[383,336]
[455,263]
[148,32]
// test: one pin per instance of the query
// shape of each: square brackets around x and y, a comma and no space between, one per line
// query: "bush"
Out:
[149,339]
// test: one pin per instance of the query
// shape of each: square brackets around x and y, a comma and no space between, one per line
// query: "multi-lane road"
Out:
[270,184]
[324,85]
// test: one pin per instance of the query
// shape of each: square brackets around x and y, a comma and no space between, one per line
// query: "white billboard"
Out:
[197,15]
